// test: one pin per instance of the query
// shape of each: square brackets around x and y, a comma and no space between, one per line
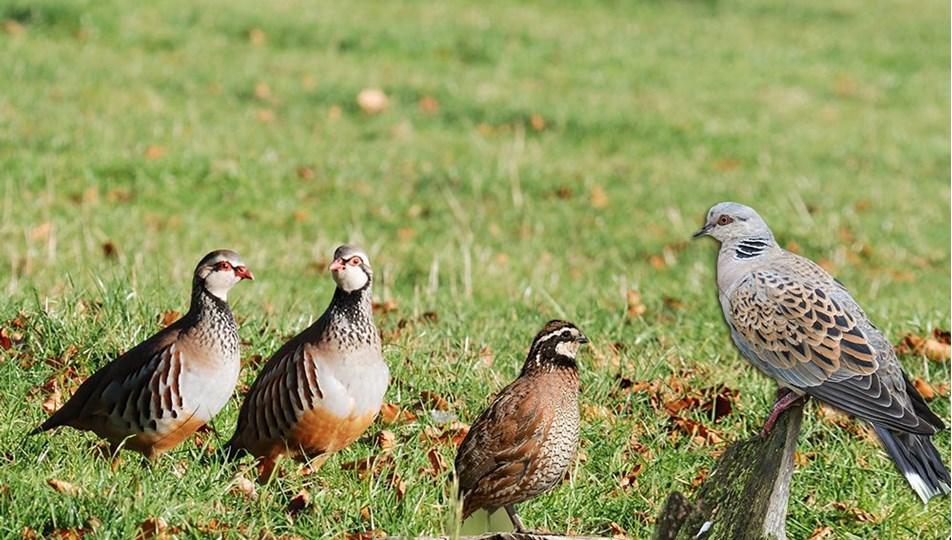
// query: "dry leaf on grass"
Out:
[386,440]
[433,400]
[373,534]
[394,414]
[384,307]
[62,486]
[298,503]
[372,100]
[821,532]
[925,389]
[598,198]
[154,527]
[437,463]
[168,317]
[630,479]
[429,105]
[635,307]
[936,348]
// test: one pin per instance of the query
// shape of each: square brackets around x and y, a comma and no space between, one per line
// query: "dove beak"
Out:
[244,273]
[703,231]
[337,265]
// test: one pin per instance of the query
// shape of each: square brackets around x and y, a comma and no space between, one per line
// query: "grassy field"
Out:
[536,160]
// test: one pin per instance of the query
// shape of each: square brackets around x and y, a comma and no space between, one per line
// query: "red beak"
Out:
[244,273]
[338,264]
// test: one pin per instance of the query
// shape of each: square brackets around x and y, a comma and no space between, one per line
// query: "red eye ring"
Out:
[354,261]
[223,265]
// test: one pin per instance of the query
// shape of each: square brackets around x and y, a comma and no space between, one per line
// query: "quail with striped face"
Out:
[325,386]
[796,323]
[521,446]
[161,391]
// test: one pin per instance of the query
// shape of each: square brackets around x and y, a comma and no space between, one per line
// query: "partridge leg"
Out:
[266,469]
[786,398]
[517,523]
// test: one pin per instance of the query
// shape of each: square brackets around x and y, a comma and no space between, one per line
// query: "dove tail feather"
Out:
[918,460]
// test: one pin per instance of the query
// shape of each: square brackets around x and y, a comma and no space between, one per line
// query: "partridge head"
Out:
[162,390]
[521,446]
[792,320]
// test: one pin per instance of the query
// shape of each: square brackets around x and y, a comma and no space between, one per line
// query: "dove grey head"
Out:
[730,221]
[219,271]
[351,268]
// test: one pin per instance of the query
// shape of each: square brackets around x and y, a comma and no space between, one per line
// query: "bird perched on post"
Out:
[799,325]
[158,393]
[325,386]
[521,446]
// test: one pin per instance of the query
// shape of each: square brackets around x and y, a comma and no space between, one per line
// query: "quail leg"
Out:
[786,398]
[516,522]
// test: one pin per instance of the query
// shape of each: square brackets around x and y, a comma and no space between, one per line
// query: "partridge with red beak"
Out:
[325,386]
[161,391]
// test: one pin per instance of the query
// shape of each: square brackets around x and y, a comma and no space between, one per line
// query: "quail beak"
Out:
[703,231]
[244,273]
[337,265]
[582,339]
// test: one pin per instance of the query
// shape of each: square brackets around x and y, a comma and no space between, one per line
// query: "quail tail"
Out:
[918,460]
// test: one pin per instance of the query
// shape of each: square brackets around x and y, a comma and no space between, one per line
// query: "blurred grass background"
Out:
[536,160]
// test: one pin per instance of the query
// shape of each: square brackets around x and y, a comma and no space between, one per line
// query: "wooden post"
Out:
[745,496]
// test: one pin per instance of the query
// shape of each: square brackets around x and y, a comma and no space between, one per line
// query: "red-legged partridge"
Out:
[158,393]
[325,386]
[521,446]
[799,325]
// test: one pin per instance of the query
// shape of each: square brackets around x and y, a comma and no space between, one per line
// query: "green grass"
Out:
[830,117]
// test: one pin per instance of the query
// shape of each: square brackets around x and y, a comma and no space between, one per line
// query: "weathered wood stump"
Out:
[745,496]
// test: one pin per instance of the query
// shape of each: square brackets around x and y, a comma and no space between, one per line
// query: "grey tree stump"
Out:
[745,496]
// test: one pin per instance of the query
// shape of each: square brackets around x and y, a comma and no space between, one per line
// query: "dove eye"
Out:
[724,220]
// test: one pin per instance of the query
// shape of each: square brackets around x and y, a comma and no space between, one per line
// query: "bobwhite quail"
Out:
[325,386]
[158,393]
[523,443]
[799,325]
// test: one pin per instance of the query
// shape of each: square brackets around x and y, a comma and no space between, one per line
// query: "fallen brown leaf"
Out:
[635,307]
[13,28]
[41,231]
[62,486]
[936,347]
[372,101]
[630,479]
[394,414]
[433,400]
[598,198]
[153,153]
[298,503]
[386,440]
[429,105]
[537,122]
[256,36]
[437,462]
[925,389]
[384,307]
[821,532]
[168,317]
[154,527]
